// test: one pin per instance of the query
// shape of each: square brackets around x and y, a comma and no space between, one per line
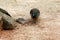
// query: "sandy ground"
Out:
[48,27]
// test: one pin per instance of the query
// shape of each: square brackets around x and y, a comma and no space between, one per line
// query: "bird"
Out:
[34,14]
[5,12]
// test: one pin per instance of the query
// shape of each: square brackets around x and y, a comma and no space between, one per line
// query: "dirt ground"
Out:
[48,27]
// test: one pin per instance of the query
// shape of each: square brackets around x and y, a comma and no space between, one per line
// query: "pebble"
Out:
[21,20]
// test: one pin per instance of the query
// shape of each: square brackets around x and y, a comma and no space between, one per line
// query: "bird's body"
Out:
[34,14]
[5,12]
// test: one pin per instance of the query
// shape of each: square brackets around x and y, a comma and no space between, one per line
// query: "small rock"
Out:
[21,20]
[8,22]
[1,22]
